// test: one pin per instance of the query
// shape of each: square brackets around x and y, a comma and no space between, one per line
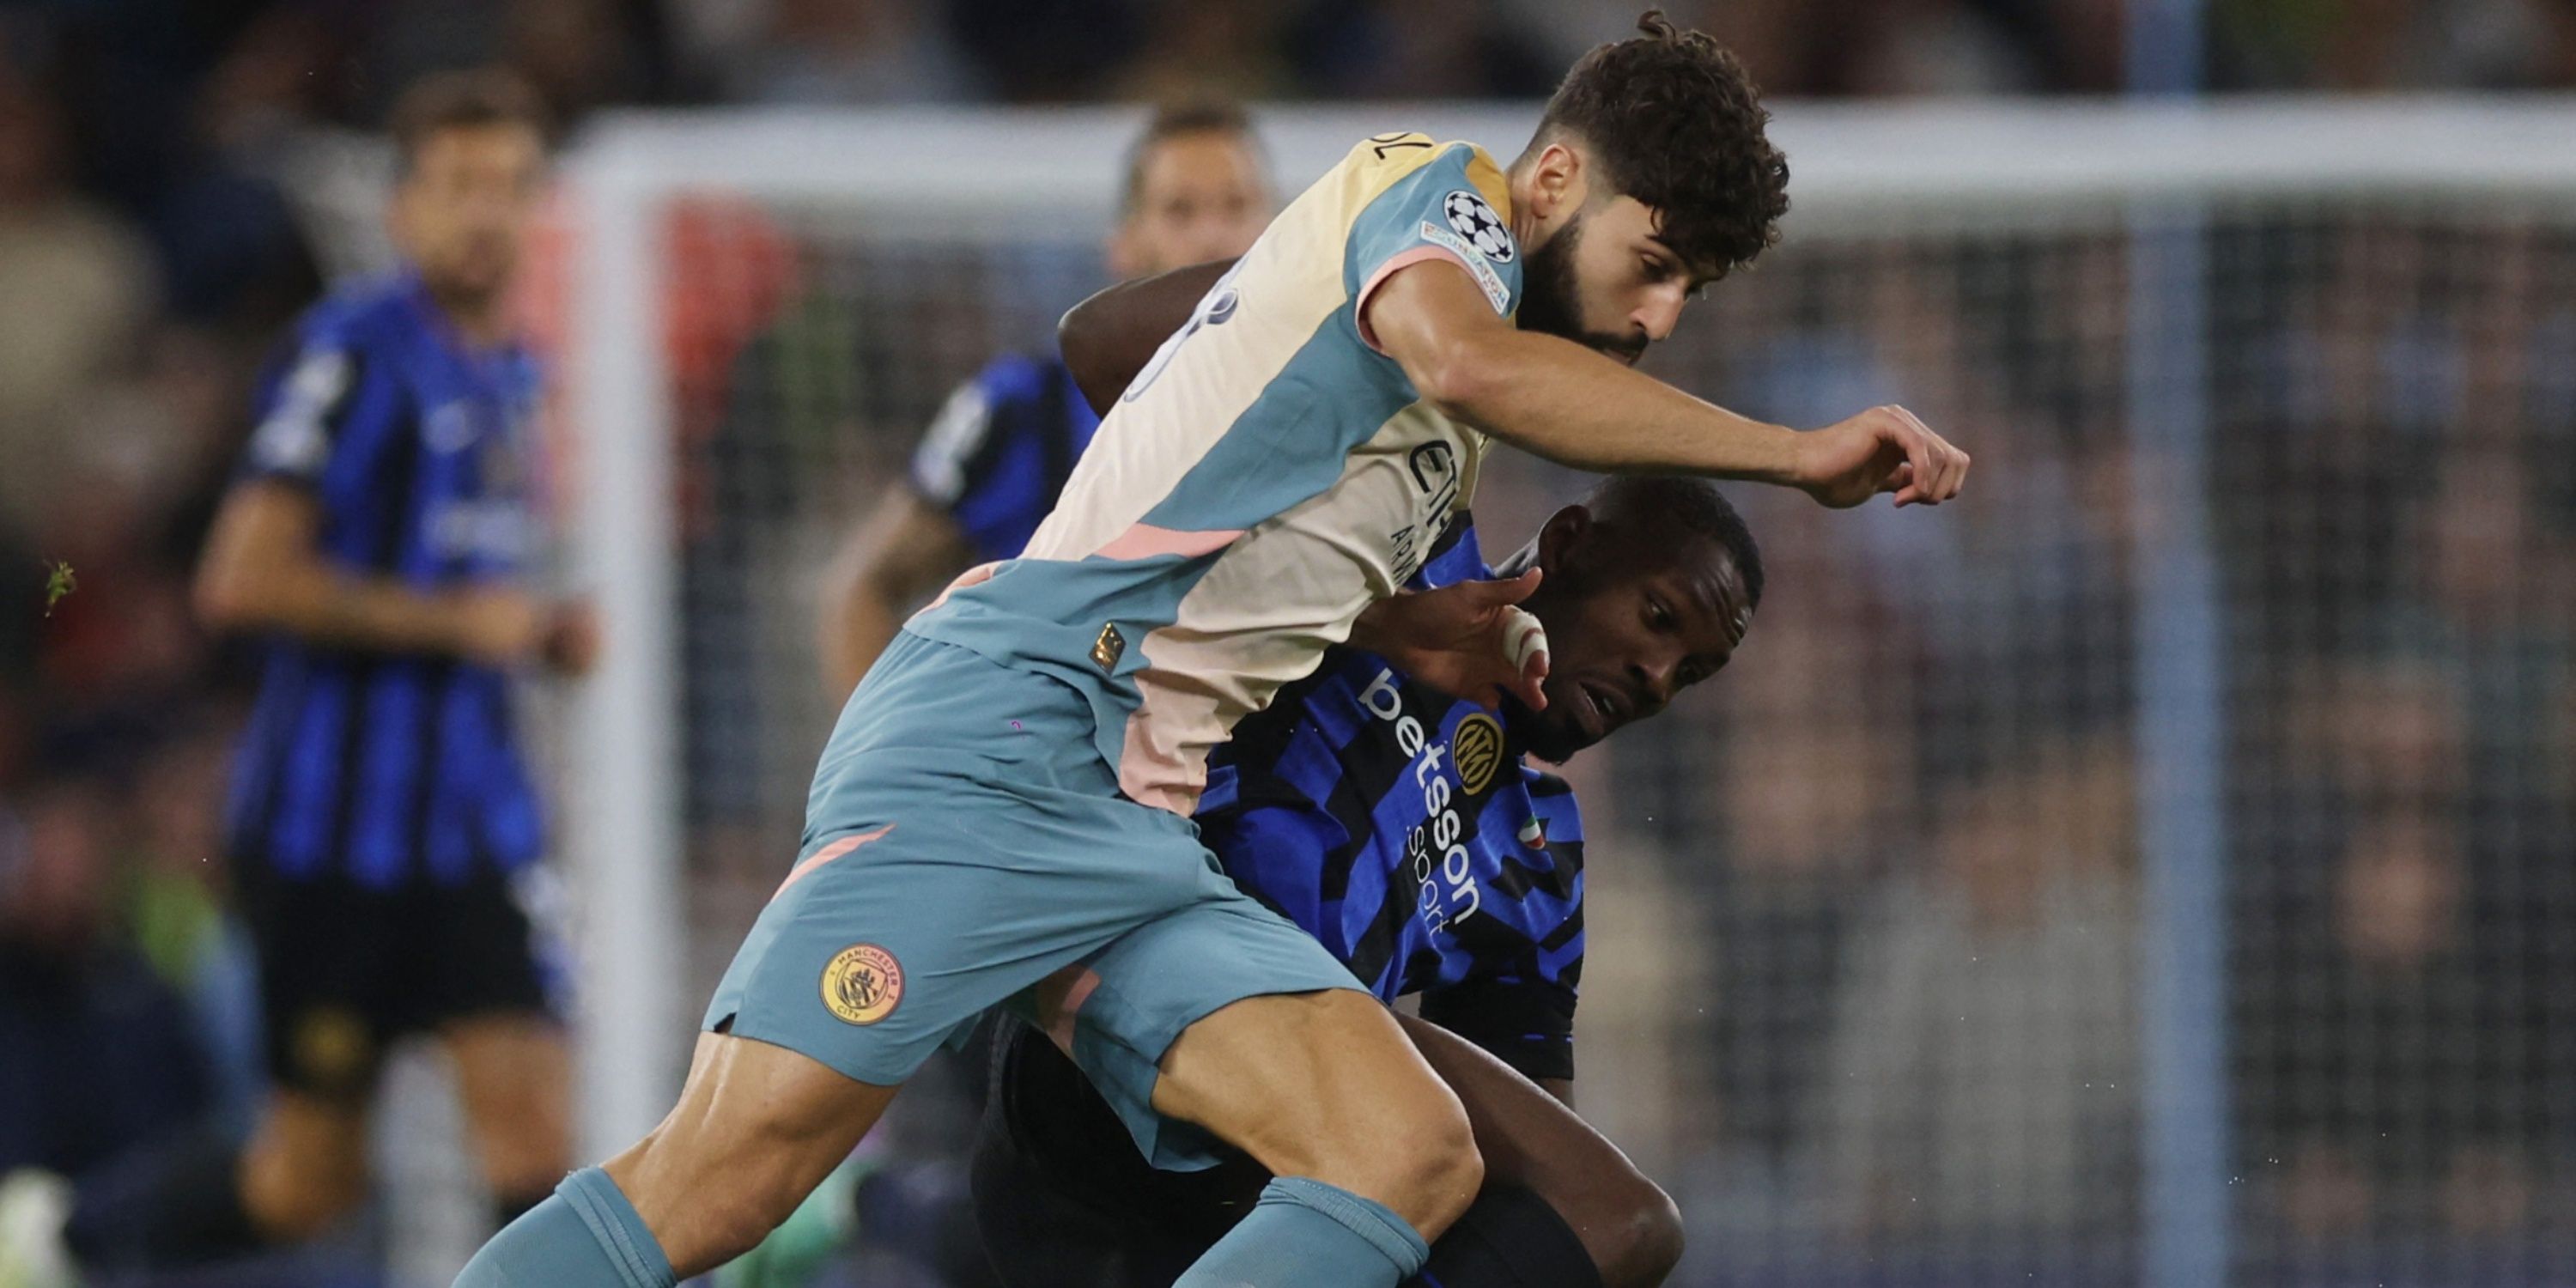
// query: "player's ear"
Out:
[1558,184]
[1563,537]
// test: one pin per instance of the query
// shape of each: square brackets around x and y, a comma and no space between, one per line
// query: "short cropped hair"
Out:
[463,99]
[1661,508]
[1175,120]
[1673,120]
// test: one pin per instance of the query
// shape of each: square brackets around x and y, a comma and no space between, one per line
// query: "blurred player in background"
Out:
[1401,827]
[1002,813]
[384,822]
[1196,188]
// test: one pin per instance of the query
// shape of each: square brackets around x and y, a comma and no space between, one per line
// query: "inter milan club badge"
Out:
[1471,218]
[1477,749]
[862,984]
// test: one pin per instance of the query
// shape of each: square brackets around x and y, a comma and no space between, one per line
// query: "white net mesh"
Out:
[1894,928]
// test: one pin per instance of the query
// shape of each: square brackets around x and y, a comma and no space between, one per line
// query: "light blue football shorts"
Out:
[965,842]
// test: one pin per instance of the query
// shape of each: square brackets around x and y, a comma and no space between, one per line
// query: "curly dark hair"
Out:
[1674,121]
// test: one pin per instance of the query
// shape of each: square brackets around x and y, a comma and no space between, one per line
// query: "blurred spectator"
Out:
[2391,44]
[1816,801]
[1416,49]
[235,260]
[851,51]
[96,1053]
[1197,50]
[2397,1073]
[1980,1094]
[78,283]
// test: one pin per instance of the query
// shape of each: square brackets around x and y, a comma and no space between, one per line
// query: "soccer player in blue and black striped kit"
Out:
[384,823]
[1195,188]
[1401,826]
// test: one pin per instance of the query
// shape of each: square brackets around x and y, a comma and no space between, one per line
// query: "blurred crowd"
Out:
[1902,842]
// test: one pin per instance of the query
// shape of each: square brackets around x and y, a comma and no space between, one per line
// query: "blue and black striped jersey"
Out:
[1001,449]
[388,768]
[1400,826]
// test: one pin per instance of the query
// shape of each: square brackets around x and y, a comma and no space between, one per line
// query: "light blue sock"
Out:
[585,1236]
[1306,1234]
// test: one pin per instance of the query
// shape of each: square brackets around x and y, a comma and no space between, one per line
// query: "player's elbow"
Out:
[1644,1240]
[1459,378]
[227,596]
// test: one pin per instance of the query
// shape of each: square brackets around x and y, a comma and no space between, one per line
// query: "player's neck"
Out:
[480,319]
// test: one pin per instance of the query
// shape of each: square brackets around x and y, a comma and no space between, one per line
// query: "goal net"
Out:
[2153,868]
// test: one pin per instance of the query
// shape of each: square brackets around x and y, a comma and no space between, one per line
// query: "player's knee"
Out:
[1638,1240]
[736,1223]
[525,1153]
[1452,1173]
[702,1211]
[1429,1165]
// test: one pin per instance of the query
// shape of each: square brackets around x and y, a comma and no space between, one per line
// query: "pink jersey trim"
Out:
[1057,1011]
[1151,774]
[828,853]
[1144,541]
[1359,306]
[975,576]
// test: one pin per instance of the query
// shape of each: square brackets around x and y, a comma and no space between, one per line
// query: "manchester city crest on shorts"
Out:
[1471,218]
[862,984]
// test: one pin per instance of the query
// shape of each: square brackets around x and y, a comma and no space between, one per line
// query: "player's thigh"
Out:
[329,981]
[1224,1019]
[513,1074]
[305,1163]
[756,1129]
[1308,1082]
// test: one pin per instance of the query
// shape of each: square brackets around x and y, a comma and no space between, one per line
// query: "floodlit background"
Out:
[2157,868]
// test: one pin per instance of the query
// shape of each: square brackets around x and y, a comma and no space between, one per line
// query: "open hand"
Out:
[1884,449]
[1470,640]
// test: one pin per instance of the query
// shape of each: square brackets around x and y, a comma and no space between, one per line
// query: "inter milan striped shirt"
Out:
[388,768]
[1001,449]
[1399,826]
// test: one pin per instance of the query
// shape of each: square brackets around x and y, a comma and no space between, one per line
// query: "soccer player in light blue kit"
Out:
[1002,814]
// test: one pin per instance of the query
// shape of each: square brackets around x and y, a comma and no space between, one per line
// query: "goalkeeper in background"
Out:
[1196,189]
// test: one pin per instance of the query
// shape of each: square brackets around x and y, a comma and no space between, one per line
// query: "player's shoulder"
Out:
[1019,377]
[1401,152]
[362,314]
[1454,557]
[1552,799]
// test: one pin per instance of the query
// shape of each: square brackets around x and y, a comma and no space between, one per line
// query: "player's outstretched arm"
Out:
[262,572]
[1576,407]
[1110,337]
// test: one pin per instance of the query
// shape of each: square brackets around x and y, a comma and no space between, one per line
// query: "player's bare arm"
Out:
[1108,338]
[906,549]
[262,571]
[1530,1137]
[1578,407]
